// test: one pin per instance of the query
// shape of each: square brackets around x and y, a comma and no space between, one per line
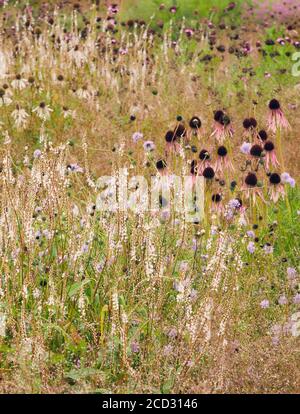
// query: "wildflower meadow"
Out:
[149,203]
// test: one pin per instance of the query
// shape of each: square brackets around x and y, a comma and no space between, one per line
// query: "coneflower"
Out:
[161,166]
[43,111]
[250,186]
[217,204]
[223,161]
[208,173]
[262,135]
[171,143]
[204,160]
[276,118]
[195,124]
[222,128]
[271,158]
[256,151]
[20,117]
[276,187]
[180,131]
[250,125]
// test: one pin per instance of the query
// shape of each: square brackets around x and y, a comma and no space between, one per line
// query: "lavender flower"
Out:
[251,247]
[264,304]
[246,147]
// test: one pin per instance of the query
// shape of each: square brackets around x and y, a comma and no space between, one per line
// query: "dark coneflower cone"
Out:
[275,178]
[161,164]
[256,150]
[204,155]
[180,130]
[247,123]
[218,116]
[216,198]
[222,151]
[253,122]
[170,136]
[251,180]
[274,105]
[269,146]
[208,173]
[263,135]
[195,122]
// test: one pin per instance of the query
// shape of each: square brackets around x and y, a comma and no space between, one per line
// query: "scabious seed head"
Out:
[274,105]
[208,173]
[275,178]
[204,155]
[269,146]
[195,122]
[263,135]
[256,150]
[222,151]
[251,180]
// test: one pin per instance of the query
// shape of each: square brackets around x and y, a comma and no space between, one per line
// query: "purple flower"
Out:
[135,347]
[268,249]
[149,146]
[287,179]
[234,203]
[264,304]
[246,147]
[282,300]
[37,153]
[291,273]
[250,233]
[137,136]
[251,247]
[296,299]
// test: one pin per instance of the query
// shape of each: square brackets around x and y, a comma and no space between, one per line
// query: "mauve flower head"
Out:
[268,249]
[296,299]
[287,179]
[264,304]
[250,233]
[172,333]
[167,350]
[37,153]
[234,203]
[246,147]
[135,347]
[291,273]
[149,146]
[282,300]
[137,136]
[251,247]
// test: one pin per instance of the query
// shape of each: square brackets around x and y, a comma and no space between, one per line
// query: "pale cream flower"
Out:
[20,116]
[43,111]
[19,83]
